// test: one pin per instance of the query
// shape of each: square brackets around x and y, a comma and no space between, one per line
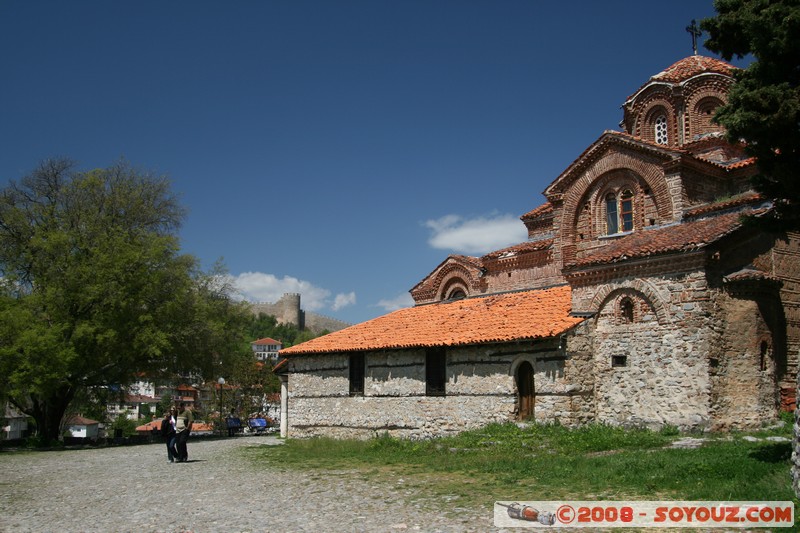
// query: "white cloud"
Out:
[261,287]
[343,300]
[399,302]
[476,236]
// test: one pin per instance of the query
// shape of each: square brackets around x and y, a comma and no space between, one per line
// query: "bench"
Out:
[258,425]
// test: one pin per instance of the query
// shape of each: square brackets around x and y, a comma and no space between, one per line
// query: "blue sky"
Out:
[337,148]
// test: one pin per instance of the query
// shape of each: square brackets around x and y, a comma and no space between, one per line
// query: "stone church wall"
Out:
[663,379]
[480,389]
[682,354]
[743,366]
[690,357]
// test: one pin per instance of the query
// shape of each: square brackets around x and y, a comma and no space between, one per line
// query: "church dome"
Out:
[691,66]
[677,105]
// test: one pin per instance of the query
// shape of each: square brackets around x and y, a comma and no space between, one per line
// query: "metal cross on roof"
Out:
[695,32]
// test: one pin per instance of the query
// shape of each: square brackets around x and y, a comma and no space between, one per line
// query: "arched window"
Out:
[703,119]
[612,220]
[626,310]
[626,210]
[454,288]
[660,130]
[619,212]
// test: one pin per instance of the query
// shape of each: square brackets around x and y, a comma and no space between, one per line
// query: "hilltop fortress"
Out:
[287,311]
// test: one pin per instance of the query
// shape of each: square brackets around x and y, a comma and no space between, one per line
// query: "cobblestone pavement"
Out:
[135,488]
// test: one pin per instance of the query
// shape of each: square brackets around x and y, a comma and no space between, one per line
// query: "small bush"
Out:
[668,430]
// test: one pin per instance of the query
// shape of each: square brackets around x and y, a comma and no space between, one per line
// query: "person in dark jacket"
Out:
[169,434]
[183,426]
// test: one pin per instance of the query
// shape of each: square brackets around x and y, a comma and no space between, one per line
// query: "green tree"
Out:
[764,105]
[94,289]
[264,325]
[125,425]
[164,405]
[256,380]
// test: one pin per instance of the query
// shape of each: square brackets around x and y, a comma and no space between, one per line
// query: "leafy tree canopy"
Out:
[764,105]
[263,325]
[94,290]
[254,379]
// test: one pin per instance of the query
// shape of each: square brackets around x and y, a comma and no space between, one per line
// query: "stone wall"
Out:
[652,370]
[686,353]
[480,389]
[287,311]
[745,363]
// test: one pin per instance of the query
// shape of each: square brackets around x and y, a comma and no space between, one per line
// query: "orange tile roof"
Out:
[470,260]
[750,274]
[740,164]
[721,205]
[684,237]
[150,426]
[544,209]
[266,340]
[689,67]
[280,366]
[499,318]
[201,426]
[524,247]
[692,66]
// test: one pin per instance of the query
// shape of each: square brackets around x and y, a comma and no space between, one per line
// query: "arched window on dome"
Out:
[660,130]
[619,212]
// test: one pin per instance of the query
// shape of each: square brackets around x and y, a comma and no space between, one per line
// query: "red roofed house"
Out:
[83,428]
[266,349]
[639,299]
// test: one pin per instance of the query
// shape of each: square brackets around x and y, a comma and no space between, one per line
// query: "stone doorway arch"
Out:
[525,391]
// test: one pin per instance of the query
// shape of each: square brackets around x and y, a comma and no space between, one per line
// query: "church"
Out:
[641,297]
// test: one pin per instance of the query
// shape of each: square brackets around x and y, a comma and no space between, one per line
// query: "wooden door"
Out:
[525,391]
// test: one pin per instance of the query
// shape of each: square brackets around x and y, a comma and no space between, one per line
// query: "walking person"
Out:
[233,423]
[168,432]
[183,427]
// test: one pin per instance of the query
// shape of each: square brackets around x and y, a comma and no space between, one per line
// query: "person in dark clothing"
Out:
[168,432]
[183,426]
[233,423]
